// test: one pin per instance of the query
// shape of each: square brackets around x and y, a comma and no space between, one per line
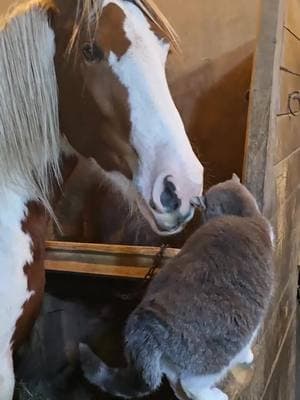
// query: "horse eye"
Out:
[92,53]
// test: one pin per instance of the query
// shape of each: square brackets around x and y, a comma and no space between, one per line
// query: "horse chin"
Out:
[163,224]
[167,224]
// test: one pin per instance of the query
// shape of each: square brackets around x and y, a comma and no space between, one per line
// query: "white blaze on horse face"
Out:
[157,131]
[15,253]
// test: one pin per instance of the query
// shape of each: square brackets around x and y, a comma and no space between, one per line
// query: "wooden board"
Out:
[131,262]
[272,166]
[290,60]
[292,17]
[288,137]
[217,31]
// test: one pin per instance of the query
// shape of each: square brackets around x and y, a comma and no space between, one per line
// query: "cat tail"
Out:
[143,374]
[144,337]
[119,382]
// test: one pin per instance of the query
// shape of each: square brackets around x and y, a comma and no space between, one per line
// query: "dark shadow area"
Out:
[298,353]
[76,308]
[218,121]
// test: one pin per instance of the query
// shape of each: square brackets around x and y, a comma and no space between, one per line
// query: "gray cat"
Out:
[202,312]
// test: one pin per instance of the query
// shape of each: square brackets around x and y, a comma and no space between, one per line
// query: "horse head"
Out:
[116,107]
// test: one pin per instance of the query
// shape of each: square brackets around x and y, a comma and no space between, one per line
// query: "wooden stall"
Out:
[271,170]
[237,86]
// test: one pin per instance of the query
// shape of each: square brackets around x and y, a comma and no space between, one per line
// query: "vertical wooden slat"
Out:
[271,171]
[263,104]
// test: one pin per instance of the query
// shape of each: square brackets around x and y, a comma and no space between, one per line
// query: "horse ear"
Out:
[235,178]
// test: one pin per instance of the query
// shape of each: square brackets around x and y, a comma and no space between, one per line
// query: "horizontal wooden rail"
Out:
[132,262]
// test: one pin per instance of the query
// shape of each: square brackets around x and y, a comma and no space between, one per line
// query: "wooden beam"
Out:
[131,262]
[263,104]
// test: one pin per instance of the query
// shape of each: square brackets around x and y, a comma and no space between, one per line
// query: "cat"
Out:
[201,313]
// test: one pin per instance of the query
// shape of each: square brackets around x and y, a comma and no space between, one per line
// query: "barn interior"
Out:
[210,83]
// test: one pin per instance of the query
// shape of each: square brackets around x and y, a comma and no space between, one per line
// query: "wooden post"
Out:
[271,171]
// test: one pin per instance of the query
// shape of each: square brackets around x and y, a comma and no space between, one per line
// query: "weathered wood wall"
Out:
[272,167]
[211,80]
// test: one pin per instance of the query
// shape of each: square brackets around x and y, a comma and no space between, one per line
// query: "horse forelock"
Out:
[29,127]
[88,13]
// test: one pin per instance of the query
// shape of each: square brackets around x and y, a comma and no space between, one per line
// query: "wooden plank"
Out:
[114,271]
[264,96]
[283,222]
[287,176]
[103,260]
[108,248]
[290,52]
[297,218]
[230,25]
[282,382]
[292,17]
[288,136]
[289,83]
[290,64]
[272,173]
[269,343]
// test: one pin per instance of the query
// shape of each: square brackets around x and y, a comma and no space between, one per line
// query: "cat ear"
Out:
[235,178]
[199,202]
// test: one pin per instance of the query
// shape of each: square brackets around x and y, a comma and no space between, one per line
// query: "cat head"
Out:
[228,198]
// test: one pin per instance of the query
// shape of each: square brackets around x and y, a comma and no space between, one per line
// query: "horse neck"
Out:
[23,223]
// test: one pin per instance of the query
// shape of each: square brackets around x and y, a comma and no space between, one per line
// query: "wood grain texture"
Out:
[287,176]
[282,383]
[262,111]
[289,83]
[103,260]
[288,137]
[106,248]
[111,271]
[269,343]
[290,52]
[292,17]
[272,165]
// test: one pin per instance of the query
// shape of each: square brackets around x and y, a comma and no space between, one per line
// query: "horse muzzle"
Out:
[171,205]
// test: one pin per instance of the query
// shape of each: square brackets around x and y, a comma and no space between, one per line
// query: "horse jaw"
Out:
[163,225]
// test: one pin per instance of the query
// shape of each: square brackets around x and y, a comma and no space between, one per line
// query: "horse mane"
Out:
[90,11]
[29,125]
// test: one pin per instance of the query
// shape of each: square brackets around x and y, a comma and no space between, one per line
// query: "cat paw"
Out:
[210,394]
[219,395]
[216,394]
[90,363]
[248,357]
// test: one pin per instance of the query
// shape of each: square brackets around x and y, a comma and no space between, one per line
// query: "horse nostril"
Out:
[168,198]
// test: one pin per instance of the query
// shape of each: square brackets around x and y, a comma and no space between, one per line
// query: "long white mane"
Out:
[29,126]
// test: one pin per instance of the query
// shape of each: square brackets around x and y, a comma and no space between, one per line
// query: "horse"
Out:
[82,77]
